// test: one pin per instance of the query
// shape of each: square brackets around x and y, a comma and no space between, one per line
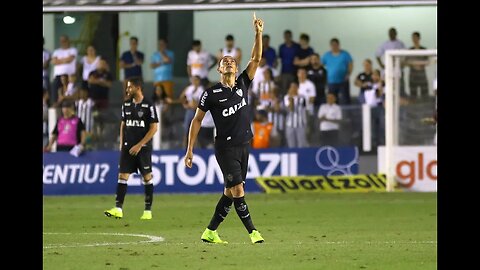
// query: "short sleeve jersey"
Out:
[137,118]
[229,109]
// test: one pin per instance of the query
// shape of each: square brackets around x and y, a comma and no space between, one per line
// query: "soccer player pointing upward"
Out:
[227,102]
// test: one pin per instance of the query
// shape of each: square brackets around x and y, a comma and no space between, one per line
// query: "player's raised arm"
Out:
[257,47]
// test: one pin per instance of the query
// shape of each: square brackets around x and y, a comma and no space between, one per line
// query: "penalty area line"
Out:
[150,239]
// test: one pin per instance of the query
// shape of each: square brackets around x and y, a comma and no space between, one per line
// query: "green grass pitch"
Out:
[301,231]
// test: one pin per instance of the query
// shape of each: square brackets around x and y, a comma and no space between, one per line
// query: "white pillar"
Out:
[157,138]
[52,121]
[366,128]
[389,125]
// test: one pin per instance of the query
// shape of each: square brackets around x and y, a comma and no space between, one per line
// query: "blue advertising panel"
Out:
[97,172]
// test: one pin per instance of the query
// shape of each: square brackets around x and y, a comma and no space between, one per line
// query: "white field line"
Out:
[151,239]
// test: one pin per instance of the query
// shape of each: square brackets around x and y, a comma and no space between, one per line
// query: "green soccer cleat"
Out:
[256,237]
[210,236]
[114,212]
[147,214]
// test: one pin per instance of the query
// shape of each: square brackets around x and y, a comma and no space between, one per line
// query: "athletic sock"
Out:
[121,191]
[221,212]
[243,213]
[148,195]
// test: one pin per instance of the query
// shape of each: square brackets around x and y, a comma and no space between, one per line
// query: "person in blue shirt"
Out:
[162,64]
[287,52]
[131,62]
[339,65]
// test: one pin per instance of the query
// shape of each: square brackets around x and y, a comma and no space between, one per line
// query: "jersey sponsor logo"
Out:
[127,104]
[217,90]
[204,97]
[135,123]
[240,92]
[234,109]
[145,105]
[222,100]
[128,113]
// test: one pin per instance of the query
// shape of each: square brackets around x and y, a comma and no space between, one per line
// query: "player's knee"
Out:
[123,176]
[147,179]
[237,190]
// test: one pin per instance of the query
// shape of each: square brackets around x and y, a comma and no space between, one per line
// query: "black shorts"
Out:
[233,162]
[142,162]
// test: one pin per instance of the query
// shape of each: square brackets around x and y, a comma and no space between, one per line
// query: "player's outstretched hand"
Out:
[188,159]
[257,24]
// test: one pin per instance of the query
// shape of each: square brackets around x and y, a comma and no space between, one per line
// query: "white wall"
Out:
[360,30]
[143,25]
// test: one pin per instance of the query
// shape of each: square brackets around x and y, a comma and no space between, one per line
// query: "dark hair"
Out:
[134,38]
[137,81]
[416,34]
[287,32]
[335,40]
[316,54]
[67,104]
[229,37]
[266,36]
[369,60]
[305,37]
[196,42]
[164,39]
[269,70]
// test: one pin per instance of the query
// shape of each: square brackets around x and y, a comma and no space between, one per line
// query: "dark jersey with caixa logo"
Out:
[137,118]
[229,109]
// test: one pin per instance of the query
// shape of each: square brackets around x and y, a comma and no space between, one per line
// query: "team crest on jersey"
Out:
[140,113]
[240,92]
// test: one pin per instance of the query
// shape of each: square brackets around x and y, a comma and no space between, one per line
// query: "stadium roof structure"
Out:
[152,5]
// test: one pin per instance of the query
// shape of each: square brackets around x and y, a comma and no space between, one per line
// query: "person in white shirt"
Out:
[330,116]
[296,117]
[231,50]
[259,77]
[307,89]
[199,63]
[89,63]
[392,44]
[64,60]
[190,97]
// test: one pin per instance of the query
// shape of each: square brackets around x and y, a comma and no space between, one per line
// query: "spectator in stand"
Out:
[231,50]
[162,64]
[287,52]
[317,74]
[161,99]
[84,106]
[306,88]
[330,116]
[64,60]
[364,80]
[266,88]
[259,77]
[45,116]
[302,57]
[418,75]
[296,121]
[190,97]
[131,61]
[46,66]
[67,90]
[100,82]
[339,66]
[276,115]
[199,63]
[392,44]
[375,97]
[69,130]
[206,133]
[89,63]
[262,131]
[269,54]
